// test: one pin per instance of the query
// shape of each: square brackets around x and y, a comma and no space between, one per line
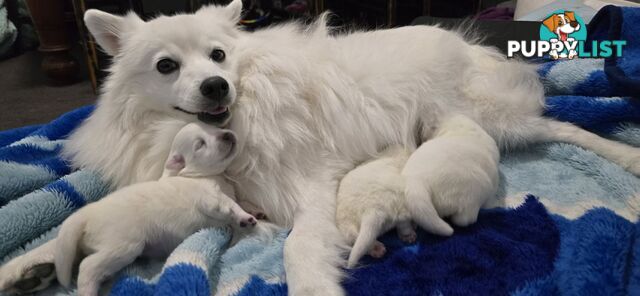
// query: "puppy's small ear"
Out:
[175,163]
[234,10]
[108,29]
[550,23]
[570,15]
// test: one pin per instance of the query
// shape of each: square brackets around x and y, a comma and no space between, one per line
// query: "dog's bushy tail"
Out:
[67,247]
[422,210]
[370,227]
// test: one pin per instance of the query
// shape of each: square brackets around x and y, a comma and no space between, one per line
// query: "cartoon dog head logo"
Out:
[563,29]
[562,24]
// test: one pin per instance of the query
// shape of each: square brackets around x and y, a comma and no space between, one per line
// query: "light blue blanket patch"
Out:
[17,179]
[251,257]
[564,76]
[26,218]
[566,174]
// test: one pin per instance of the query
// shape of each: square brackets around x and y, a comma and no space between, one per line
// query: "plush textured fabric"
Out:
[554,244]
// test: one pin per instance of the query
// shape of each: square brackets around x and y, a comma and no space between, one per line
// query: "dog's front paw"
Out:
[253,210]
[247,220]
[17,278]
[258,214]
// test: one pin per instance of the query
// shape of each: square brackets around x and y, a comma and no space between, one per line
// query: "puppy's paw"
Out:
[378,250]
[409,237]
[247,220]
[17,278]
[253,210]
[259,215]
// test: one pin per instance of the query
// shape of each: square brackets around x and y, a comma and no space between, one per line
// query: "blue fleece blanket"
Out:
[570,229]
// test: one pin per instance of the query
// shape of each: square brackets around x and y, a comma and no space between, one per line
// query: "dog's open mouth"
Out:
[216,116]
[563,36]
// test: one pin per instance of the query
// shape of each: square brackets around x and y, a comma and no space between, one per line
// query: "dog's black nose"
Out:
[228,137]
[574,24]
[215,88]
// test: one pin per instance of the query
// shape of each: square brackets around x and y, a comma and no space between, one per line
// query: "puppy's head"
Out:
[181,65]
[199,150]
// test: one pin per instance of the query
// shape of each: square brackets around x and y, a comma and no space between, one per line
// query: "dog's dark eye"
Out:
[166,66]
[218,55]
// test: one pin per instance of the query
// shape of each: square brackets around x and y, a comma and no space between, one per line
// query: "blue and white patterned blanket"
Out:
[553,244]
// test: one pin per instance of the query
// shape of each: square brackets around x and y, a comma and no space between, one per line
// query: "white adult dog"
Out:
[306,107]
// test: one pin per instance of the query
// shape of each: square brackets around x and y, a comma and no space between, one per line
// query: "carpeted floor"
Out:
[27,97]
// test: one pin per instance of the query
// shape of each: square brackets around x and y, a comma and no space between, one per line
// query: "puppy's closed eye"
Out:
[199,144]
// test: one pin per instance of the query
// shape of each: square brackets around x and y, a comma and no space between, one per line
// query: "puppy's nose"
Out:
[215,88]
[228,137]
[574,24]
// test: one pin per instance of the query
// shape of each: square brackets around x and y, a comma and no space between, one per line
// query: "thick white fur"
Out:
[153,217]
[371,200]
[457,169]
[307,107]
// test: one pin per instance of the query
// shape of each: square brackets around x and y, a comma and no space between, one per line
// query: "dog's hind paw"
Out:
[632,164]
[378,250]
[409,237]
[16,278]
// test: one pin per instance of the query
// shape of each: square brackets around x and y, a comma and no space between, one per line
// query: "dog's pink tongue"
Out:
[218,110]
[563,36]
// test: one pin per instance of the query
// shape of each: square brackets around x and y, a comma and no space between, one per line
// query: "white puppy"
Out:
[152,218]
[371,200]
[457,169]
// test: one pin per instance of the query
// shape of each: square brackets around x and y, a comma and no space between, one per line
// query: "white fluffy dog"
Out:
[371,201]
[152,218]
[306,107]
[457,170]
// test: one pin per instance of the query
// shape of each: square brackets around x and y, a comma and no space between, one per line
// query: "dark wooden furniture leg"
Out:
[48,18]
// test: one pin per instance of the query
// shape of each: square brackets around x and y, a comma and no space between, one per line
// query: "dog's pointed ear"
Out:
[174,164]
[108,29]
[234,10]
[550,23]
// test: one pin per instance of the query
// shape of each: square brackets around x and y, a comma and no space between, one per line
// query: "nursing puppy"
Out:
[371,201]
[152,218]
[457,170]
[306,105]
